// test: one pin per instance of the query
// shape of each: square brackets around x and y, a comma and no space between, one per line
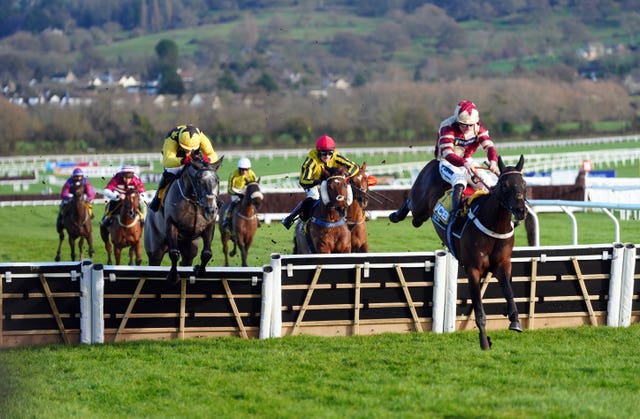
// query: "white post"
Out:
[267,302]
[276,310]
[97,304]
[451,294]
[626,294]
[439,287]
[85,303]
[615,283]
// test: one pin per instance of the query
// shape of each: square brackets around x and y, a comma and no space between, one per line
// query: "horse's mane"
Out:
[334,171]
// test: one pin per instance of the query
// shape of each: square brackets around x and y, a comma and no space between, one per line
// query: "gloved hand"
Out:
[121,196]
[493,166]
[469,165]
[187,159]
[206,159]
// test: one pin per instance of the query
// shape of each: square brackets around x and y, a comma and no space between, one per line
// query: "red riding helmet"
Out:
[325,143]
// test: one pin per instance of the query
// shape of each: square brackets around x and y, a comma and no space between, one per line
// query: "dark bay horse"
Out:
[188,214]
[125,230]
[244,223]
[484,241]
[356,218]
[77,221]
[326,230]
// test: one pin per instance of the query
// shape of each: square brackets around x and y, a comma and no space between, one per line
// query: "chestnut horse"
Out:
[483,241]
[244,223]
[125,230]
[326,230]
[188,214]
[77,221]
[356,218]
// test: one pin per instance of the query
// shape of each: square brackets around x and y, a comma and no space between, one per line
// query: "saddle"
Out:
[442,210]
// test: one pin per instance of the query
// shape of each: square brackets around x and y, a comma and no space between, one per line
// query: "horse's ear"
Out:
[258,180]
[501,164]
[217,163]
[520,163]
[364,166]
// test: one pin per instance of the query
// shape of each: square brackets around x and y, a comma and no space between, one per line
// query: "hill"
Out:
[369,72]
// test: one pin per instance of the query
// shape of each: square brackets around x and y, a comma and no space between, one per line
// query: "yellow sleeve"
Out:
[207,148]
[170,153]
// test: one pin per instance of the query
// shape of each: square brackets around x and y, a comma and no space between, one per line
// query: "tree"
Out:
[170,80]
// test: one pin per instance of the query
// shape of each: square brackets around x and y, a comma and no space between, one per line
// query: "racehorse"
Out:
[356,218]
[244,223]
[326,230]
[77,221]
[125,230]
[484,241]
[188,214]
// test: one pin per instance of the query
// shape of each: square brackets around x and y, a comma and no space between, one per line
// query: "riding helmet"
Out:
[189,138]
[77,172]
[244,163]
[325,143]
[466,113]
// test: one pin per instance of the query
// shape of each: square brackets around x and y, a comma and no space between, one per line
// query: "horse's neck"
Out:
[327,213]
[355,213]
[492,214]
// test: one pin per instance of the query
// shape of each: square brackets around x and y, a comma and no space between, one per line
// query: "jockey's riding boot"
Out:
[106,221]
[166,178]
[456,199]
[287,221]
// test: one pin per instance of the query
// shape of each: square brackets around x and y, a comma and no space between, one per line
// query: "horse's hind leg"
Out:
[401,213]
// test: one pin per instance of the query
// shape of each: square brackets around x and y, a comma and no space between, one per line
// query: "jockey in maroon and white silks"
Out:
[459,136]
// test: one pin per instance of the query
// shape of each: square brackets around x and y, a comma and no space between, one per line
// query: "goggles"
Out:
[325,153]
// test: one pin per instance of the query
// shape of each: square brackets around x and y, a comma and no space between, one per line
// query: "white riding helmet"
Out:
[466,113]
[244,163]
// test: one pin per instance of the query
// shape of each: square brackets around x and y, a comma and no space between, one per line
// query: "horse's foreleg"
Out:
[117,253]
[478,309]
[72,245]
[225,248]
[206,254]
[61,237]
[90,243]
[174,255]
[137,250]
[512,310]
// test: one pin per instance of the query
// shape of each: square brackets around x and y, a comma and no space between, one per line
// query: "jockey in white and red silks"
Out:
[459,136]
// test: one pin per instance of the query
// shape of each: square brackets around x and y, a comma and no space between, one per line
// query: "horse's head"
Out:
[205,184]
[77,190]
[333,189]
[131,202]
[253,195]
[360,186]
[511,188]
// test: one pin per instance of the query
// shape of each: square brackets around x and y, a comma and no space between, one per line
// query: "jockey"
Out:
[65,194]
[324,155]
[116,190]
[237,185]
[178,144]
[459,137]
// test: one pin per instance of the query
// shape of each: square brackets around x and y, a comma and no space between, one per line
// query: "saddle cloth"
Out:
[442,210]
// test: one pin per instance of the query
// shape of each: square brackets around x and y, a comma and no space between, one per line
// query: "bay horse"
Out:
[188,214]
[356,217]
[483,241]
[326,230]
[125,230]
[244,223]
[77,221]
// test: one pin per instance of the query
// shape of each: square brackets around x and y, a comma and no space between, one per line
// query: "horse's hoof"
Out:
[416,223]
[394,218]
[515,326]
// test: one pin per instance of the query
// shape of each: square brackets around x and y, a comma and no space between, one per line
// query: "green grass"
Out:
[580,372]
[29,235]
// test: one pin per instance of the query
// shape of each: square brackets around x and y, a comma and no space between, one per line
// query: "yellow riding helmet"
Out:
[189,138]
